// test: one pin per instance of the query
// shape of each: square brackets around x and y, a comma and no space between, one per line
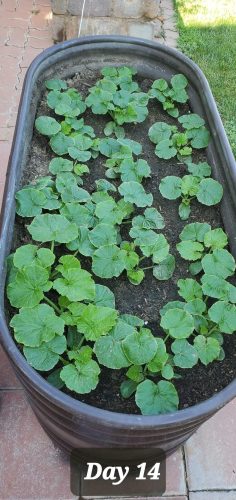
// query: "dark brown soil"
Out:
[146,300]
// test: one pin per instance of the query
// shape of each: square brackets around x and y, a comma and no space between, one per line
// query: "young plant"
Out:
[203,245]
[207,191]
[119,96]
[169,95]
[171,142]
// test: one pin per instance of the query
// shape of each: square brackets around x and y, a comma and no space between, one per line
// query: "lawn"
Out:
[207,31]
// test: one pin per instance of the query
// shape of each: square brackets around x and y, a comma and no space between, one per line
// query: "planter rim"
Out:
[51,393]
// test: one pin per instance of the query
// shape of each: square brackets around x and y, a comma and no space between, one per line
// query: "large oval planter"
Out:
[69,422]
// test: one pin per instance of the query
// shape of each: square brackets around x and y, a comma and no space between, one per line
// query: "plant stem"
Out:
[127,221]
[76,253]
[64,362]
[166,337]
[53,274]
[145,268]
[81,343]
[142,258]
[52,246]
[52,304]
[211,330]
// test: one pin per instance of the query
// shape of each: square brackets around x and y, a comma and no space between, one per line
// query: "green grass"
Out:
[207,31]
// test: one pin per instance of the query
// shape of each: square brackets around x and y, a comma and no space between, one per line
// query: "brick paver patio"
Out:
[30,466]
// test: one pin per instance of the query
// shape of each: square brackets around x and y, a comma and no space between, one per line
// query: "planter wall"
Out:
[71,423]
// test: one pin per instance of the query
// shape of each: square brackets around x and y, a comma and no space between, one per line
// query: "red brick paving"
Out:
[30,466]
[24,33]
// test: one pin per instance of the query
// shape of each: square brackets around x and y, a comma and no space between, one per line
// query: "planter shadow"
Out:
[70,422]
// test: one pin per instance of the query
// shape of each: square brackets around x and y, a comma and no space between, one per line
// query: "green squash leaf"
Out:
[140,347]
[60,143]
[158,362]
[178,323]
[103,235]
[199,137]
[224,314]
[191,121]
[200,170]
[46,356]
[56,84]
[134,192]
[34,326]
[190,250]
[76,285]
[208,349]
[195,306]
[185,355]
[52,228]
[81,377]
[104,185]
[135,276]
[78,214]
[108,349]
[155,399]
[210,192]
[58,165]
[104,296]
[47,126]
[215,238]
[95,321]
[170,187]
[82,243]
[160,131]
[179,81]
[184,211]
[108,261]
[165,149]
[134,171]
[220,263]
[28,287]
[217,288]
[30,202]
[189,289]
[165,269]
[195,231]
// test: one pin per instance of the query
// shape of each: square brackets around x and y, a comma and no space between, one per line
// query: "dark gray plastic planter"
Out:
[71,423]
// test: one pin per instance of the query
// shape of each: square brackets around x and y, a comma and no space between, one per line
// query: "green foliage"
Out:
[52,228]
[207,191]
[185,355]
[140,347]
[171,142]
[47,355]
[178,323]
[95,321]
[66,323]
[109,349]
[155,399]
[205,246]
[108,261]
[133,192]
[28,287]
[165,269]
[207,349]
[169,95]
[46,125]
[33,327]
[118,95]
[30,202]
[81,377]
